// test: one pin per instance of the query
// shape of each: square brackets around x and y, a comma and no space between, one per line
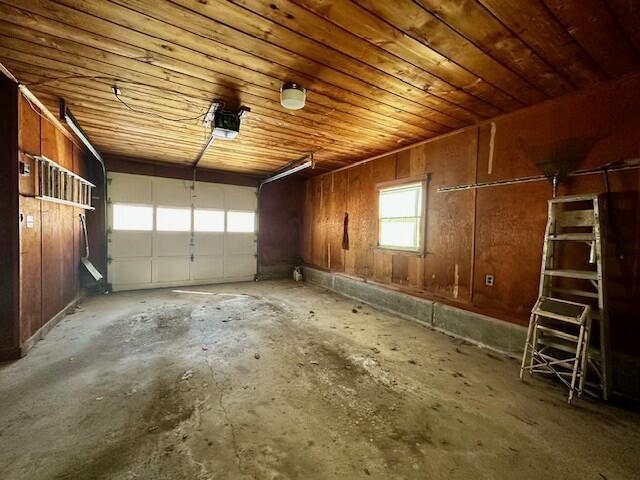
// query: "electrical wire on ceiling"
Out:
[74,77]
[116,91]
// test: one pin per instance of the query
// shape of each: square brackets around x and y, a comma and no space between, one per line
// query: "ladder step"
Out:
[555,316]
[575,218]
[578,237]
[582,274]
[571,349]
[575,292]
[557,333]
[562,310]
[574,198]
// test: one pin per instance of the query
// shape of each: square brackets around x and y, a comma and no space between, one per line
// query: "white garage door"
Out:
[166,232]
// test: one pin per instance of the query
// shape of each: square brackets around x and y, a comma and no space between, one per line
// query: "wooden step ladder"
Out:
[575,276]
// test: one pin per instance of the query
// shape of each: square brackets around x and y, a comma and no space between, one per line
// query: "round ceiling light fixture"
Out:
[292,96]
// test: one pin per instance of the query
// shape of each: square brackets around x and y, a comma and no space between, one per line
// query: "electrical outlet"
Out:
[488,280]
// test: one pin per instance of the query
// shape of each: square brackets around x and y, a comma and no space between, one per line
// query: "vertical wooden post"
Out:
[9,221]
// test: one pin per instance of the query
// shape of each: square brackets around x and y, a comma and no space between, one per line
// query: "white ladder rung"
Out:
[577,237]
[575,292]
[581,274]
[557,333]
[574,198]
[558,346]
[557,316]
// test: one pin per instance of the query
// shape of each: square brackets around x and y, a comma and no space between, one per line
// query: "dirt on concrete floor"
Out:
[282,380]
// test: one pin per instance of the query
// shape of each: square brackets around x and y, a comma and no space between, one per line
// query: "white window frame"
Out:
[420,208]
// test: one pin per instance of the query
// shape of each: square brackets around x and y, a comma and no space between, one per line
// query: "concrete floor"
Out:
[278,380]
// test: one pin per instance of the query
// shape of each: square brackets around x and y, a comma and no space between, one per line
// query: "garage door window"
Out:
[241,222]
[208,220]
[173,219]
[132,217]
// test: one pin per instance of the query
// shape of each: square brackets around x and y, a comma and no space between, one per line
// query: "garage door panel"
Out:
[208,244]
[209,195]
[125,188]
[240,198]
[131,271]
[170,269]
[239,266]
[172,193]
[168,244]
[127,244]
[205,267]
[240,243]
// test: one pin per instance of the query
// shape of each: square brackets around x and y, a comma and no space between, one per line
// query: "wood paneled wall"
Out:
[498,230]
[280,227]
[50,242]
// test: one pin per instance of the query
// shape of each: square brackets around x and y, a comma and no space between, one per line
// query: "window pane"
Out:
[400,202]
[241,221]
[208,220]
[399,233]
[132,217]
[173,219]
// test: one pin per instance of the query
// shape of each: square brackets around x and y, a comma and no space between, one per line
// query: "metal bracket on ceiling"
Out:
[243,112]
[218,106]
[306,161]
[208,118]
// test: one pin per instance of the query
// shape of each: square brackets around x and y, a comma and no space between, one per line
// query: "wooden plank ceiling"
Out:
[379,74]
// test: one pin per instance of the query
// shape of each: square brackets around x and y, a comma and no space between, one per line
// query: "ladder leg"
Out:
[585,356]
[527,344]
[577,363]
[601,251]
[604,365]
[534,342]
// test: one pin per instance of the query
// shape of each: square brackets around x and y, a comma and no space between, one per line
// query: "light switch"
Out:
[29,221]
[25,169]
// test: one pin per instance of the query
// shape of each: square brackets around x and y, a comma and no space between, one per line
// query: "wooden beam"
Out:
[9,226]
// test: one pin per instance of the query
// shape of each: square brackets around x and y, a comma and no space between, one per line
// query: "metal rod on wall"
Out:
[617,166]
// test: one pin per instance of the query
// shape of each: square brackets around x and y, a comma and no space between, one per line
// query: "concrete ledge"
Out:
[323,279]
[487,331]
[271,272]
[406,305]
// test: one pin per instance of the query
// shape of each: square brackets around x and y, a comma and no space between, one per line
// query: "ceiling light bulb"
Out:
[292,96]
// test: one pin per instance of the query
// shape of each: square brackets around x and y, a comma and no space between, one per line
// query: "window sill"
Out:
[399,251]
